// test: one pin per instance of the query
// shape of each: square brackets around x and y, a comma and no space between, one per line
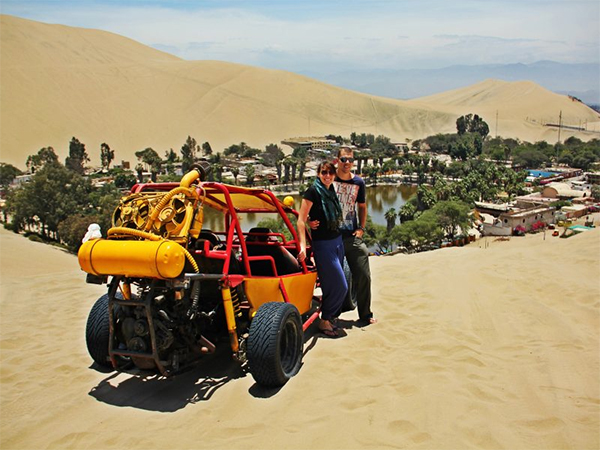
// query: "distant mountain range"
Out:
[578,80]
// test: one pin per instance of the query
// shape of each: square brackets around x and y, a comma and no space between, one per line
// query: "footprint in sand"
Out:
[542,426]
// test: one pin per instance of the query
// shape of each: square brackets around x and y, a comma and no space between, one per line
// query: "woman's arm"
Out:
[302,216]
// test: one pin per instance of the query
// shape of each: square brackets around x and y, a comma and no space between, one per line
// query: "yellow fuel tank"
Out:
[146,259]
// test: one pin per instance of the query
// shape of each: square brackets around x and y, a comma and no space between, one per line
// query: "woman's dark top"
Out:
[322,233]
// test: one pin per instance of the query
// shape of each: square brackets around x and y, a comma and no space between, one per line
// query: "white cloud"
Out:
[328,34]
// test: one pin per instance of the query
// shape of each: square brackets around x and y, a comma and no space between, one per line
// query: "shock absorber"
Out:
[235,300]
[195,298]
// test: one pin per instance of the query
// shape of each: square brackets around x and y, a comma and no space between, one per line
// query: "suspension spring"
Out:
[195,296]
[235,300]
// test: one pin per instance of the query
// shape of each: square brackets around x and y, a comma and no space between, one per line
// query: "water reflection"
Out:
[379,200]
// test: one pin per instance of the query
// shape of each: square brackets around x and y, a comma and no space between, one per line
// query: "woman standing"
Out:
[321,203]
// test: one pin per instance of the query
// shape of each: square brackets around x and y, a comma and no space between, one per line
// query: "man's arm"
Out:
[362,219]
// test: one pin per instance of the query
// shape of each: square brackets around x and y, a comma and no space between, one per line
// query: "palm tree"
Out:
[218,170]
[287,163]
[301,170]
[235,171]
[250,172]
[294,167]
[390,216]
[359,159]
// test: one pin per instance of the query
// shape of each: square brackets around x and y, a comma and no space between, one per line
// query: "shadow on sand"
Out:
[149,391]
[152,392]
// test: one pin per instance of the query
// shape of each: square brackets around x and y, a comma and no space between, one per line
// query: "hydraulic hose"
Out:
[189,178]
[130,231]
[166,199]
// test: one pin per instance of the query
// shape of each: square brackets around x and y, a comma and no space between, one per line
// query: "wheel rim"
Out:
[289,348]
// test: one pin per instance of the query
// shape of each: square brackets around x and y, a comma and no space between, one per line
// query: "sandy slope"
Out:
[488,346]
[137,97]
[517,109]
[57,82]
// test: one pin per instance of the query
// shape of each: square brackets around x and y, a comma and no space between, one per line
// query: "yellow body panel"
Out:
[299,289]
[147,259]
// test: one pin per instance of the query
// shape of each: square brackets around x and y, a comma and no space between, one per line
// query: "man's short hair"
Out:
[345,149]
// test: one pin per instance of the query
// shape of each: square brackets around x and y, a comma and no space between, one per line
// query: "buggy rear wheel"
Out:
[275,344]
[97,332]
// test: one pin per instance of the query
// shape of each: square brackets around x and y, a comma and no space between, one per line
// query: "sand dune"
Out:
[58,82]
[493,345]
[136,98]
[520,108]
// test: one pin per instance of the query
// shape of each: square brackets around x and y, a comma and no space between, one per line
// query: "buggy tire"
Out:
[275,344]
[97,332]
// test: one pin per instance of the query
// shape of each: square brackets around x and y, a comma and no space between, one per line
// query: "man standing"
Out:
[351,191]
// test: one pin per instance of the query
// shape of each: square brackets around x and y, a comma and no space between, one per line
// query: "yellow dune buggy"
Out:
[175,289]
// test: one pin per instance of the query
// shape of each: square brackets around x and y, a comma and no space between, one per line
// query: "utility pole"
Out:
[496,123]
[559,125]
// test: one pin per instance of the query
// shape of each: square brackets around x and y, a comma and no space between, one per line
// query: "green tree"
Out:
[287,164]
[188,154]
[73,229]
[235,171]
[425,198]
[8,173]
[152,160]
[383,146]
[452,216]
[472,124]
[44,156]
[207,149]
[53,194]
[463,148]
[272,155]
[218,169]
[419,233]
[250,173]
[301,170]
[77,156]
[106,155]
[294,167]
[462,124]
[381,237]
[371,171]
[390,217]
[123,179]
[530,157]
[139,169]
[102,203]
[171,159]
[278,226]
[407,212]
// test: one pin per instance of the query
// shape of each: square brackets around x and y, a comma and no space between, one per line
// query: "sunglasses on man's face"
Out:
[327,172]
[345,159]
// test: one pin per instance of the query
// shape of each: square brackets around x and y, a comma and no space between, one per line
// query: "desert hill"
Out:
[57,82]
[520,106]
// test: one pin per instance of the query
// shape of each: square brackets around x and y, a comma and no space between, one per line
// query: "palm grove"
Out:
[60,201]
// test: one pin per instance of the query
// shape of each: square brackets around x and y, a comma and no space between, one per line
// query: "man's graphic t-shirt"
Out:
[350,192]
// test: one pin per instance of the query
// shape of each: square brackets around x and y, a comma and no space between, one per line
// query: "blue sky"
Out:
[327,35]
